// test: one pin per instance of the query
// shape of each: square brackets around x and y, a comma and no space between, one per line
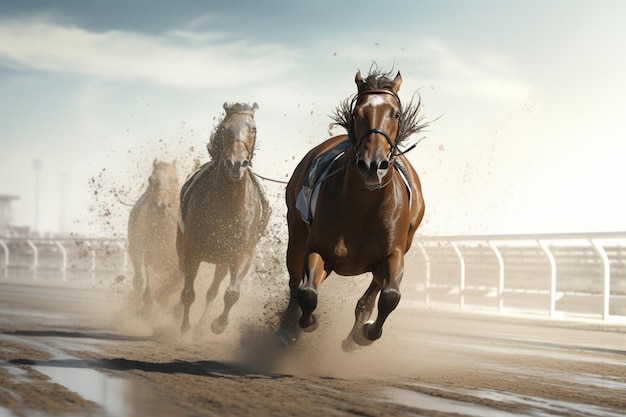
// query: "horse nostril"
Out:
[361,165]
[245,163]
[383,165]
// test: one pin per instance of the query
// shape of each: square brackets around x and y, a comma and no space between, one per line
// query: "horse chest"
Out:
[226,221]
[350,246]
[357,238]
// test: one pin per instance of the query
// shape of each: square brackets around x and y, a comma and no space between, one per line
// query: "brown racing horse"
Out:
[223,213]
[152,236]
[363,214]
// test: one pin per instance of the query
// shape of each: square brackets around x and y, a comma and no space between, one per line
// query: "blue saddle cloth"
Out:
[321,167]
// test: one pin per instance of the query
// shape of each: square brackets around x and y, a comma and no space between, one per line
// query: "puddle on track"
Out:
[430,402]
[545,407]
[539,407]
[117,397]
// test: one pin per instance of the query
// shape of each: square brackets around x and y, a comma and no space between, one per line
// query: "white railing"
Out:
[76,258]
[589,266]
[583,273]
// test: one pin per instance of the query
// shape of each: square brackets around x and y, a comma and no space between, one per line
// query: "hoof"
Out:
[360,337]
[367,337]
[218,325]
[184,328]
[284,338]
[314,325]
[348,345]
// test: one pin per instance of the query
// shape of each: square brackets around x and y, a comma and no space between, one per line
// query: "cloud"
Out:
[468,72]
[179,59]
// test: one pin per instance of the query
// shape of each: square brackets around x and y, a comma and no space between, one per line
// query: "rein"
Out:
[269,179]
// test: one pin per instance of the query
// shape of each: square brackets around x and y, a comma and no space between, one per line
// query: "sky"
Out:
[526,100]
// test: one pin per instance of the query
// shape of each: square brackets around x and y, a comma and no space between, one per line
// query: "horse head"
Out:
[163,185]
[376,112]
[234,139]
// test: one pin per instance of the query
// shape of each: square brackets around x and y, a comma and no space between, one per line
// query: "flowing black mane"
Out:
[216,139]
[411,121]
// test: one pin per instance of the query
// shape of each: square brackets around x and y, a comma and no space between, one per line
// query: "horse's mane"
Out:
[411,121]
[215,141]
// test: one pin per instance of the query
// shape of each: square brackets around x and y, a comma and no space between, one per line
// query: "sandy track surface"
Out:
[82,351]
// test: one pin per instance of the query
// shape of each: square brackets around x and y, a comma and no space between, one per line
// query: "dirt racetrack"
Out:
[83,352]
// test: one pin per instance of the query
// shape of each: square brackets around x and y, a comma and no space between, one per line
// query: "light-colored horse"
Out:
[152,237]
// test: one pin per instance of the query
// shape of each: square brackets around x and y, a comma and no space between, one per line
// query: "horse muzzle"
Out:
[236,169]
[162,205]
[373,171]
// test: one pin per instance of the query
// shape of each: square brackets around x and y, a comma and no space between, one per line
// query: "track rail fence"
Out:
[554,274]
[72,259]
[582,273]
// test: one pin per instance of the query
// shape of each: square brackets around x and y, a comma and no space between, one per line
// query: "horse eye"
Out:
[398,115]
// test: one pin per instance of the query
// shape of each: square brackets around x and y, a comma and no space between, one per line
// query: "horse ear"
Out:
[255,107]
[358,79]
[396,83]
[225,106]
[154,163]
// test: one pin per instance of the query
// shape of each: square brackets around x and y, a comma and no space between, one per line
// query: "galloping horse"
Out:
[357,212]
[152,235]
[223,213]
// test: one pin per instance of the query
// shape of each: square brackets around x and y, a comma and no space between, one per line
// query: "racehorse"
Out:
[361,213]
[223,213]
[152,235]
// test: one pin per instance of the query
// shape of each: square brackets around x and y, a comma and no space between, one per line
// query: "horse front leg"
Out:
[148,294]
[389,279]
[314,275]
[136,259]
[362,313]
[288,330]
[231,295]
[218,276]
[188,295]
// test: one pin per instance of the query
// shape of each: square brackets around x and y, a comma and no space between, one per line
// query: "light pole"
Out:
[37,167]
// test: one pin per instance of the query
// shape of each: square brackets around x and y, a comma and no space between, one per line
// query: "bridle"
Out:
[393,150]
[248,161]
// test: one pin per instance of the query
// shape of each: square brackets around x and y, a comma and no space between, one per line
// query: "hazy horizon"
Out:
[528,99]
